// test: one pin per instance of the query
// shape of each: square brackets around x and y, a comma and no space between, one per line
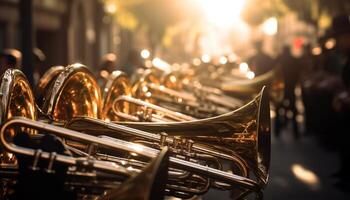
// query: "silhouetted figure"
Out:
[260,63]
[341,104]
[39,65]
[107,66]
[109,62]
[308,62]
[133,62]
[291,72]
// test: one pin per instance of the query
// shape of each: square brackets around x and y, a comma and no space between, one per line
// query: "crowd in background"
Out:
[323,74]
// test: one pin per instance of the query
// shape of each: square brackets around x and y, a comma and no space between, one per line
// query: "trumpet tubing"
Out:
[121,145]
[199,126]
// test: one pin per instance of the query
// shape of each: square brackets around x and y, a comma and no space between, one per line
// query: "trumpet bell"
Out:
[74,93]
[17,99]
[140,87]
[45,82]
[117,85]
[246,131]
[273,80]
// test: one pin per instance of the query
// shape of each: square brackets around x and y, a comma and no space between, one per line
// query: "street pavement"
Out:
[300,170]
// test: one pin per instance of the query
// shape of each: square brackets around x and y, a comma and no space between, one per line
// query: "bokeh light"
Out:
[206,58]
[250,75]
[270,26]
[243,67]
[306,176]
[145,54]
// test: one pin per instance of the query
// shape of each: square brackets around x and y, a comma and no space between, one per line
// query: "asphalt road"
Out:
[300,170]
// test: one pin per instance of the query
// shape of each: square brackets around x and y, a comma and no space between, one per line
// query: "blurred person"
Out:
[133,62]
[307,60]
[39,65]
[260,63]
[109,62]
[319,87]
[10,58]
[107,66]
[309,68]
[341,104]
[291,72]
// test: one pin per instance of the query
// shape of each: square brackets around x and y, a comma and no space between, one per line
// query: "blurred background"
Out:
[308,39]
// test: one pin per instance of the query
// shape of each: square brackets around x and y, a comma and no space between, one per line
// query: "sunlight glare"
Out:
[223,13]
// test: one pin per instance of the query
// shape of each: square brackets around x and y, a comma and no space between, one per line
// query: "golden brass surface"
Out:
[17,99]
[245,131]
[272,79]
[122,145]
[74,93]
[240,136]
[45,81]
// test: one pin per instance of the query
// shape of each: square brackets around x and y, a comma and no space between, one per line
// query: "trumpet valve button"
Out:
[176,141]
[163,137]
[189,145]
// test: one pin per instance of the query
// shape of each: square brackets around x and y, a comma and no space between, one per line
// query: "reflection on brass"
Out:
[148,184]
[272,79]
[117,145]
[17,99]
[74,93]
[197,101]
[201,126]
[45,81]
[245,131]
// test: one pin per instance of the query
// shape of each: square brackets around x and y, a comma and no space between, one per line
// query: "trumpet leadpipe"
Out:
[121,145]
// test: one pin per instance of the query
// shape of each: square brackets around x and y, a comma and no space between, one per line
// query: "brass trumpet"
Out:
[272,79]
[245,130]
[257,109]
[148,184]
[119,105]
[121,145]
[243,133]
[199,103]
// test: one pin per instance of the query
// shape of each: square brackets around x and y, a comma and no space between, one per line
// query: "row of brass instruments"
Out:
[157,135]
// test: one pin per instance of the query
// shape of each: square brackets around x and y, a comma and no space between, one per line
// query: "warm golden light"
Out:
[223,60]
[206,58]
[330,44]
[111,7]
[104,73]
[137,147]
[232,57]
[161,64]
[223,13]
[305,175]
[196,62]
[316,51]
[250,75]
[145,54]
[243,67]
[270,26]
[148,63]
